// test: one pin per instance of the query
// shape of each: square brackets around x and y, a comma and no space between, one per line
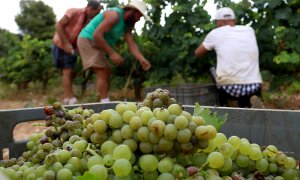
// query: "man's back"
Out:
[76,22]
[238,74]
[237,53]
[113,35]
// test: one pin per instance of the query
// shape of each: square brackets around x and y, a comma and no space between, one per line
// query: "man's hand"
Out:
[116,58]
[145,64]
[68,48]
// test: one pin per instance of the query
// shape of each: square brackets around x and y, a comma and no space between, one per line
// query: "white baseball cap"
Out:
[140,6]
[224,14]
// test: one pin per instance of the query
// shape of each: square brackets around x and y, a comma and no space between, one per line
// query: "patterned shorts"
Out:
[238,90]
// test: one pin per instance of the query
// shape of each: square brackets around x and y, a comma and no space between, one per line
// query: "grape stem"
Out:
[203,166]
[91,151]
[39,124]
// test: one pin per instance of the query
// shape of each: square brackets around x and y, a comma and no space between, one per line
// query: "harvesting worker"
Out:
[96,40]
[64,47]
[237,69]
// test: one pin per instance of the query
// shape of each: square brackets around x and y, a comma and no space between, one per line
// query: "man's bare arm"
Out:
[200,51]
[60,29]
[134,49]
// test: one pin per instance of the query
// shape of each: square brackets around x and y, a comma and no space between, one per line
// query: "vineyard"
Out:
[155,137]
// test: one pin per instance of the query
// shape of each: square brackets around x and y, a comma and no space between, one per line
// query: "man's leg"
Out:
[68,74]
[66,63]
[223,97]
[67,78]
[244,102]
[102,81]
[256,101]
[226,100]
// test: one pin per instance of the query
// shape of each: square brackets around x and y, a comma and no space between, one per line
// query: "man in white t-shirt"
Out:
[237,70]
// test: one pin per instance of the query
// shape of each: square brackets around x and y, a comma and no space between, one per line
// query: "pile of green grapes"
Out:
[156,139]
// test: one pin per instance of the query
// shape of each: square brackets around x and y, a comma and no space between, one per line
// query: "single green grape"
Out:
[215,159]
[148,162]
[122,167]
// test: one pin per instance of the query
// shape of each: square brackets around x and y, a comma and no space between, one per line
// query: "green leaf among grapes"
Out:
[210,117]
[87,176]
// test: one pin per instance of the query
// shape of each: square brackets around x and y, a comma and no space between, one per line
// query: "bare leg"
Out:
[67,78]
[102,81]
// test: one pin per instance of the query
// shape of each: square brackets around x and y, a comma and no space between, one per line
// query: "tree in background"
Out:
[29,60]
[36,19]
[7,40]
[109,3]
[176,39]
[280,20]
[27,57]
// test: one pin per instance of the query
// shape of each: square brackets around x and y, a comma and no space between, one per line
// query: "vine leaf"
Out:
[210,117]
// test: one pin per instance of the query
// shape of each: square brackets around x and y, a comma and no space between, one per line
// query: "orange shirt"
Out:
[77,18]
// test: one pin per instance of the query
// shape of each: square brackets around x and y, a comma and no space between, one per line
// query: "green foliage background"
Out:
[36,19]
[168,43]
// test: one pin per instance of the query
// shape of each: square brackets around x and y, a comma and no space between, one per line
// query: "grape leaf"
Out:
[88,176]
[210,117]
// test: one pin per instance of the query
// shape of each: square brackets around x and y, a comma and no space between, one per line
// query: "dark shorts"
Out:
[62,59]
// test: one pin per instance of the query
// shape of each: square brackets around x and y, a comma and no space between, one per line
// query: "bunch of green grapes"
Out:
[158,98]
[142,130]
[229,156]
[142,142]
[162,130]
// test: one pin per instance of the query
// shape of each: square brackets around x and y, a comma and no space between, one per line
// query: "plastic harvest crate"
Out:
[10,118]
[189,94]
[261,126]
